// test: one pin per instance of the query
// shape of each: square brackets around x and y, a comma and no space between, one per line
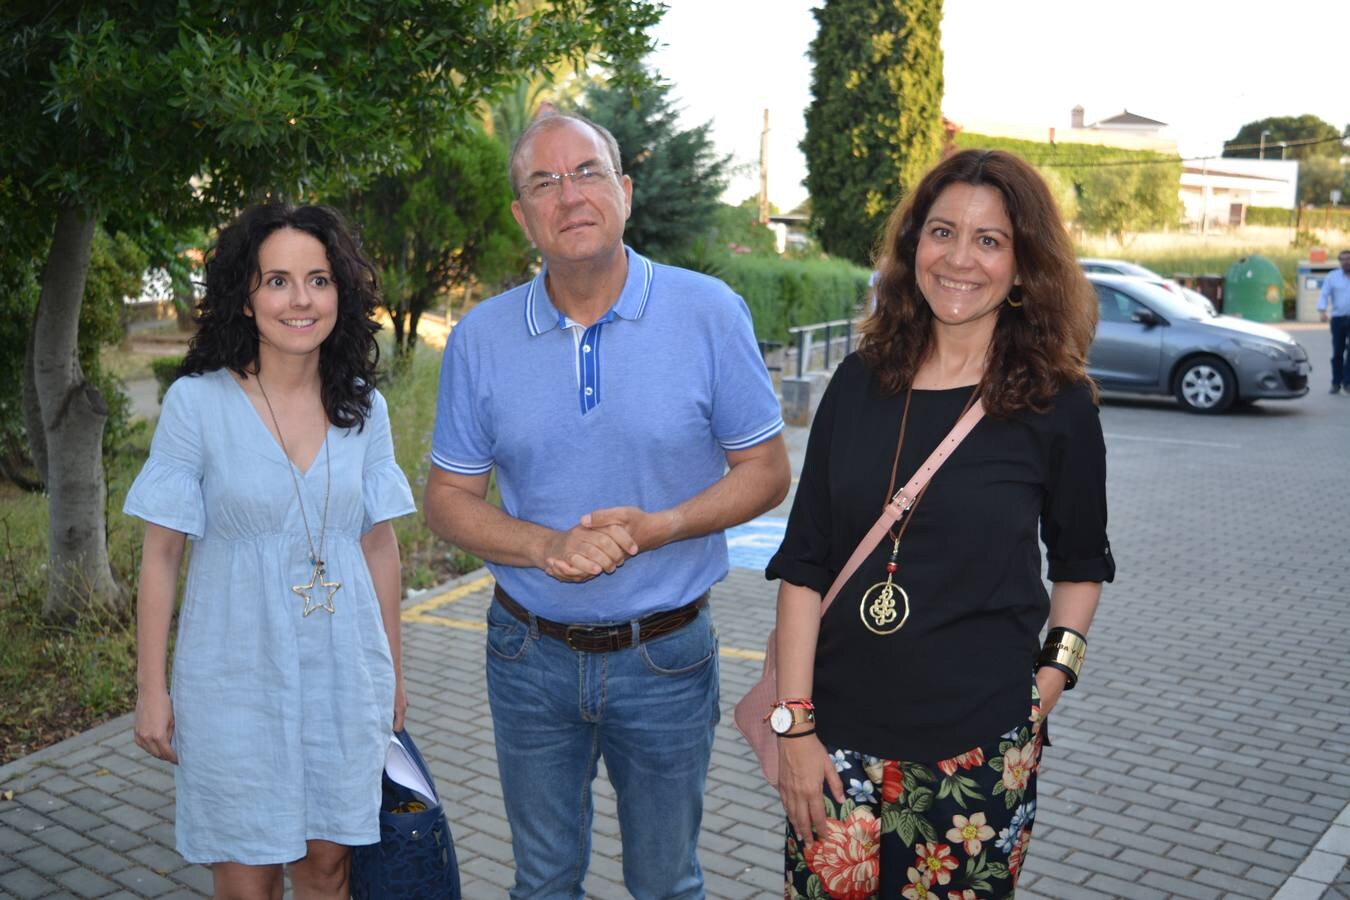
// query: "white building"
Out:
[1217,190]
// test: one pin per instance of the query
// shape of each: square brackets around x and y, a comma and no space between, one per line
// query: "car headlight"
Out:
[1274,351]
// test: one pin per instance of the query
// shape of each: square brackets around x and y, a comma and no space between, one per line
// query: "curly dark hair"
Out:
[227,338]
[1038,348]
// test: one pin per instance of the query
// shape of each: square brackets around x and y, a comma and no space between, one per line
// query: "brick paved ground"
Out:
[1204,754]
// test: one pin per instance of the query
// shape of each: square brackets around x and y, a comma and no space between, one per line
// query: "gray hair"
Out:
[553,120]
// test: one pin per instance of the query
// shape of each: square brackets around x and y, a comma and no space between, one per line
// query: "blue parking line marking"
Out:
[751,545]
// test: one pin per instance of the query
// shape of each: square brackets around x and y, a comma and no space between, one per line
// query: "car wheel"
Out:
[1205,385]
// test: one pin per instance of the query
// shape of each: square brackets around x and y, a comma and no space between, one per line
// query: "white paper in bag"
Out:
[399,766]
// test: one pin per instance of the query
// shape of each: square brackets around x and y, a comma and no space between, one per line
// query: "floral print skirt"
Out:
[955,829]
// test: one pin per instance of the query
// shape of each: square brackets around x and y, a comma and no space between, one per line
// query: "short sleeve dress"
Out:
[281,720]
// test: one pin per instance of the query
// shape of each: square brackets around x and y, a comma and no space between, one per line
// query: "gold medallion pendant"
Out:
[878,607]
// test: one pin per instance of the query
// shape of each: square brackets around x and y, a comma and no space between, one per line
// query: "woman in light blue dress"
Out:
[273,454]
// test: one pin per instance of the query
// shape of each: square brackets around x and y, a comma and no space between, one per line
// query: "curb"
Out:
[412,598]
[25,764]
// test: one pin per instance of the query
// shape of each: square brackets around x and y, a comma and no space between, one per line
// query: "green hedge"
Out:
[785,292]
[166,372]
[1323,217]
[1060,155]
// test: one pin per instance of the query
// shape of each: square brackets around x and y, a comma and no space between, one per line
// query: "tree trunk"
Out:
[396,318]
[72,417]
[414,315]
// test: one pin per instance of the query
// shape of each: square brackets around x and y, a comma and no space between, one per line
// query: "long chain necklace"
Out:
[877,609]
[318,575]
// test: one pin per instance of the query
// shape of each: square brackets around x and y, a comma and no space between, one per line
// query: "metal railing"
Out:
[804,337]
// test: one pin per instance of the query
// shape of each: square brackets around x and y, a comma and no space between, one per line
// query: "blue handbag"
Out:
[415,857]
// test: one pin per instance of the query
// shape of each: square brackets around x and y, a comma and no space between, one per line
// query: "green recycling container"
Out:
[1254,289]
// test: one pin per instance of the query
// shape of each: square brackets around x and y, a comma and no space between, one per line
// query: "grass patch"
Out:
[127,365]
[410,390]
[59,680]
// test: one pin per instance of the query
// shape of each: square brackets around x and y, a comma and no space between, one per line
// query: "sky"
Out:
[1203,67]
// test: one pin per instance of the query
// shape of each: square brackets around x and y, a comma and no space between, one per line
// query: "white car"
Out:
[1134,270]
[1198,299]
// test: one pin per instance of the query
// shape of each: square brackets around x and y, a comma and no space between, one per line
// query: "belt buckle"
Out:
[577,631]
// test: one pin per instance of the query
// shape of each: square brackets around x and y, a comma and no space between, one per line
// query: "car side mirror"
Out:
[1146,317]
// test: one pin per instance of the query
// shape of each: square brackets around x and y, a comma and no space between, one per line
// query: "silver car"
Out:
[1150,341]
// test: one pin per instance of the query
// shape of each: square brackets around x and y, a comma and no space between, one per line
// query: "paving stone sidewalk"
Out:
[1206,753]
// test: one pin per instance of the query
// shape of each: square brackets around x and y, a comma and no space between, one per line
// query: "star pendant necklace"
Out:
[318,575]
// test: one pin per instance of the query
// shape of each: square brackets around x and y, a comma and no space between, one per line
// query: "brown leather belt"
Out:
[606,638]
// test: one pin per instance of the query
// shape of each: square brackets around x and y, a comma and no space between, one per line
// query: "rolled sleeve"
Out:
[1073,518]
[803,558]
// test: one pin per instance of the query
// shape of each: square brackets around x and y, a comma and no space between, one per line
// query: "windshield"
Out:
[1119,267]
[1161,300]
[1199,301]
[1138,271]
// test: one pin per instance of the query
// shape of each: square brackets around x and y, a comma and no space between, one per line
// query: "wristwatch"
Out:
[787,713]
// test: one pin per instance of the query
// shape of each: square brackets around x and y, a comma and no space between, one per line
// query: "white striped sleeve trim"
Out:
[460,468]
[756,437]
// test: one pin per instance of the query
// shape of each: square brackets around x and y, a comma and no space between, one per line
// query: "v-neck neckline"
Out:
[272,438]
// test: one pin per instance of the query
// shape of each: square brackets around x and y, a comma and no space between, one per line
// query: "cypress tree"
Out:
[874,125]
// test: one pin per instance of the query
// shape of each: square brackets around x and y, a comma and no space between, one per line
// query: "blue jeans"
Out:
[1340,335]
[649,711]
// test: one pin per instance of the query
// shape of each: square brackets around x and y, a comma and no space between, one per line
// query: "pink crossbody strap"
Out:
[904,498]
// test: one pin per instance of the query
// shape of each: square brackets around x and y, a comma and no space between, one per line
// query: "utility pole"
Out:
[764,172]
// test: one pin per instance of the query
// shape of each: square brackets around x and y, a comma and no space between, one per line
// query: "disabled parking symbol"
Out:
[751,545]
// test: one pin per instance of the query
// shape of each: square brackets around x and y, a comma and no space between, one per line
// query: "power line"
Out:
[1300,142]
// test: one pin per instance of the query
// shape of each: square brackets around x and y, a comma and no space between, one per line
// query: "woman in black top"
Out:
[909,766]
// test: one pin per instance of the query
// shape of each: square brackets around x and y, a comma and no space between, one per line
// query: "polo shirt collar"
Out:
[541,315]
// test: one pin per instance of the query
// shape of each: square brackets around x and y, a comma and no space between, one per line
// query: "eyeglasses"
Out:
[544,185]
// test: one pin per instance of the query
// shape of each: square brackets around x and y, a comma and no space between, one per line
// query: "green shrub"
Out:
[1313,217]
[782,293]
[166,372]
[18,299]
[1271,216]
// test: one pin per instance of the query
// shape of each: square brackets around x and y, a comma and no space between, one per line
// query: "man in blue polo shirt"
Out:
[629,418]
[1334,304]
